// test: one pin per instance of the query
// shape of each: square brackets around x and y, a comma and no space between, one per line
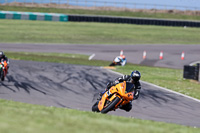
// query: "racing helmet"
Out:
[135,75]
[1,54]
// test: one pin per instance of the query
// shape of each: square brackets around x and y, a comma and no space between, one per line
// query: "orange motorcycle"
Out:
[3,70]
[114,98]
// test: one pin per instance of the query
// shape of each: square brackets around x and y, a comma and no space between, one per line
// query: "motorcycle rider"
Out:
[133,79]
[119,60]
[123,60]
[4,58]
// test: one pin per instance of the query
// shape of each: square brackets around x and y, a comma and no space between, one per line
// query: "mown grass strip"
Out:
[23,118]
[58,58]
[23,31]
[165,77]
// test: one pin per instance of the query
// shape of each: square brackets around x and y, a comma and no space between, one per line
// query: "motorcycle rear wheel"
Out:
[110,106]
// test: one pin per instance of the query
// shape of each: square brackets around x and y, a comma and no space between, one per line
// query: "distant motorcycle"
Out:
[119,60]
[114,98]
[3,70]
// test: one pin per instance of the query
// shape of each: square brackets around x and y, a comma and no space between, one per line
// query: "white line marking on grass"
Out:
[91,56]
[197,100]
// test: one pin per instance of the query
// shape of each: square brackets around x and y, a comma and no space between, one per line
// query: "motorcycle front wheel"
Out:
[112,64]
[110,106]
[1,74]
[95,107]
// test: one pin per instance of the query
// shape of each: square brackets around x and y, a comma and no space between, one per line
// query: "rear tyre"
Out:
[110,106]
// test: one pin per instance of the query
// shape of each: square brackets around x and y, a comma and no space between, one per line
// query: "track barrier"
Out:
[89,18]
[33,16]
[131,20]
[192,72]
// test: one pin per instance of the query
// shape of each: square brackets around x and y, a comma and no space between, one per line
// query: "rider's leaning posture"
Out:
[132,79]
[4,58]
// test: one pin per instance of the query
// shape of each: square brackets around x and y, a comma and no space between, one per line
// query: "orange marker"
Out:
[161,55]
[182,56]
[144,55]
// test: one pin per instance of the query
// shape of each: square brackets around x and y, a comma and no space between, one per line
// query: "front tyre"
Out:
[110,106]
[95,107]
[112,64]
[1,74]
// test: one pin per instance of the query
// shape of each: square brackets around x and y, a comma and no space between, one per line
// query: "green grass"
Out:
[22,31]
[26,118]
[55,57]
[102,12]
[169,78]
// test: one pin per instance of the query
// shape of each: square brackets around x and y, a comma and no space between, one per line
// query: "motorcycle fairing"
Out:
[118,90]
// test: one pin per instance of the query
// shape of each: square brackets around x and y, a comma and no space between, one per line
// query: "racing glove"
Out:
[136,94]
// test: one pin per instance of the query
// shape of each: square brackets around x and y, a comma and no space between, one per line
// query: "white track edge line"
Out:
[197,100]
[193,63]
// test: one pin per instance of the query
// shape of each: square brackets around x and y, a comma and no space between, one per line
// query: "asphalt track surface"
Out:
[134,53]
[77,87]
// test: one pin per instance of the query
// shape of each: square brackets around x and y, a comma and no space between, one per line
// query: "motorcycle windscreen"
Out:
[129,87]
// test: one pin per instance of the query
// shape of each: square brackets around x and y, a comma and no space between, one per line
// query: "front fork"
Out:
[114,96]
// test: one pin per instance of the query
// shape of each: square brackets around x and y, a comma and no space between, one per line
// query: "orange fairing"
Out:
[5,65]
[116,91]
[122,91]
[102,102]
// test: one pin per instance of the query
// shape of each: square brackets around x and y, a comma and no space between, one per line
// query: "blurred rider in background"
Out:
[123,58]
[119,60]
[132,79]
[4,58]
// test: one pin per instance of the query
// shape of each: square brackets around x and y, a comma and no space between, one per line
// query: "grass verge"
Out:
[23,31]
[27,118]
[124,13]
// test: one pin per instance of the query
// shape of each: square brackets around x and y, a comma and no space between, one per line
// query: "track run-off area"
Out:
[133,53]
[77,86]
